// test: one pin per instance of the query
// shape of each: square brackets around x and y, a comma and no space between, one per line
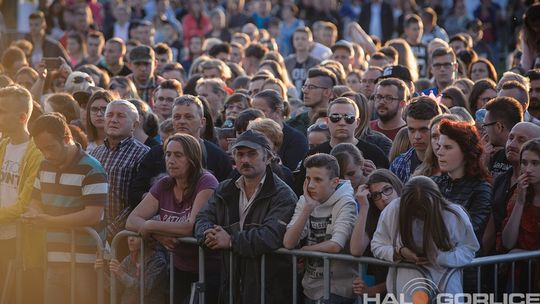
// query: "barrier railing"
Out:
[100,251]
[200,287]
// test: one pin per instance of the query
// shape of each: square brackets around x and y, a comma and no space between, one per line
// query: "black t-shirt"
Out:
[499,164]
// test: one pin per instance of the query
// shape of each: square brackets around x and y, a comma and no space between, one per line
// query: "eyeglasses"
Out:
[95,110]
[446,65]
[349,119]
[387,191]
[365,80]
[317,127]
[312,87]
[489,124]
[386,98]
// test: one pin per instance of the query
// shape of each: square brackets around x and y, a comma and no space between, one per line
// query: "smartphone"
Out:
[52,63]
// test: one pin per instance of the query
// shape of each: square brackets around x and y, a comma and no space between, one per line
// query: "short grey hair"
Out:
[132,110]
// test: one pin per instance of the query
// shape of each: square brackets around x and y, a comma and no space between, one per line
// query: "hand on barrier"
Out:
[409,256]
[35,218]
[217,238]
[168,242]
[114,267]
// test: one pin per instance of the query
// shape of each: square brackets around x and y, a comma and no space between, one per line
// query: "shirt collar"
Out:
[120,145]
[240,183]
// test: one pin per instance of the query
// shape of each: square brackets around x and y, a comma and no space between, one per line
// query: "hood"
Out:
[344,193]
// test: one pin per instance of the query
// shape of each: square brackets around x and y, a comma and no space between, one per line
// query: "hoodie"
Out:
[332,220]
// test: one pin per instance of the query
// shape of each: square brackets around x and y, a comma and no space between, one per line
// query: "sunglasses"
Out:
[349,119]
[317,127]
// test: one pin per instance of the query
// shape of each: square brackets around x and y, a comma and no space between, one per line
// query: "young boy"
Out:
[323,221]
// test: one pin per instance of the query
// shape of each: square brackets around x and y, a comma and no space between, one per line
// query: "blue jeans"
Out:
[334,299]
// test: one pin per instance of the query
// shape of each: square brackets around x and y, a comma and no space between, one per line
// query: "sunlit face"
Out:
[176,161]
[342,130]
[187,119]
[479,70]
[483,99]
[450,156]
[414,32]
[73,47]
[530,165]
[251,163]
[164,102]
[353,82]
[97,113]
[435,134]
[54,150]
[519,135]
[368,82]
[119,122]
[382,194]
[418,131]
[320,185]
[342,56]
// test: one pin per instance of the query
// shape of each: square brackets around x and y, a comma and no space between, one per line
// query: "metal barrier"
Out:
[100,250]
[200,290]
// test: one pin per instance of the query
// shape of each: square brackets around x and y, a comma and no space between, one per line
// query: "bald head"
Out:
[519,134]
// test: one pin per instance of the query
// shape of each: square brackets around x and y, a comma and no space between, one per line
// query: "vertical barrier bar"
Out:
[171,277]
[45,263]
[19,262]
[513,278]
[479,279]
[295,280]
[529,275]
[263,277]
[495,278]
[326,277]
[360,274]
[141,273]
[202,277]
[72,269]
[231,267]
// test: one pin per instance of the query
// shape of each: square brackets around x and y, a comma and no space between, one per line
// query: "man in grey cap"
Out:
[248,215]
[142,61]
[343,52]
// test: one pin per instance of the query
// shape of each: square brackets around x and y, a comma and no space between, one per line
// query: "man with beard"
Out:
[391,95]
[444,69]
[534,92]
[505,183]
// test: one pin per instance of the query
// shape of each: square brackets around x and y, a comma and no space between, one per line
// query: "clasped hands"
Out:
[217,238]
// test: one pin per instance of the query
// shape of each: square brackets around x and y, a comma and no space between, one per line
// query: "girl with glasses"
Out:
[95,118]
[381,188]
[423,228]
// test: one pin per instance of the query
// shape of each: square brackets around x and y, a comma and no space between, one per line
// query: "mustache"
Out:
[245,166]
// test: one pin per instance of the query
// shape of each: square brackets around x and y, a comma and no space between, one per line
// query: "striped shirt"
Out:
[70,189]
[120,163]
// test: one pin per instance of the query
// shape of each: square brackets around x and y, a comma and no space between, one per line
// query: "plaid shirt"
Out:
[121,163]
[147,92]
[402,165]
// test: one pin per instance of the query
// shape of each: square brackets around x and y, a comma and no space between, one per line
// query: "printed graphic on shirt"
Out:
[317,227]
[299,75]
[9,176]
[175,217]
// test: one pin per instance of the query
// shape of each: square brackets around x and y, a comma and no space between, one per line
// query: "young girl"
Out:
[128,272]
[425,229]
[381,187]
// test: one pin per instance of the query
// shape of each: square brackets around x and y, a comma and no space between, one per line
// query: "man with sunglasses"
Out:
[343,119]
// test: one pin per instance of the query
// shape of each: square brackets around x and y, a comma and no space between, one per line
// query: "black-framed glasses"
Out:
[489,124]
[349,118]
[386,98]
[376,195]
[317,127]
[95,110]
[312,87]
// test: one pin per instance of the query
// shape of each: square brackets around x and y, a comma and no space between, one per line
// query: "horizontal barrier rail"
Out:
[201,290]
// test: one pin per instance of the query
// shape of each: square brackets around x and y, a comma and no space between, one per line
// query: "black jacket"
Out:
[471,193]
[387,20]
[263,231]
[294,147]
[502,191]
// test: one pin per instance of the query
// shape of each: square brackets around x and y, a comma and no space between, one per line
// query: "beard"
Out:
[534,104]
[388,115]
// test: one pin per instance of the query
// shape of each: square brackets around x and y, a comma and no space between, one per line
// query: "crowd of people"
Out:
[397,130]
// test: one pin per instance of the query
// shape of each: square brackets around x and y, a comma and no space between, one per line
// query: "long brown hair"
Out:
[193,152]
[421,199]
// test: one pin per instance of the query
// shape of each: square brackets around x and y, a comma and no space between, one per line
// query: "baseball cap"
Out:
[396,71]
[252,139]
[142,53]
[343,44]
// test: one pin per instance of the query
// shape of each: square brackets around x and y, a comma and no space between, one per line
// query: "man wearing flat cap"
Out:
[142,61]
[248,215]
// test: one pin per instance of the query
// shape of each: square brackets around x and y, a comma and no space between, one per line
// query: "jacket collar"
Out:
[231,191]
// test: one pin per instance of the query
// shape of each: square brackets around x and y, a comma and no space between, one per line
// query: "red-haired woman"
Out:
[464,179]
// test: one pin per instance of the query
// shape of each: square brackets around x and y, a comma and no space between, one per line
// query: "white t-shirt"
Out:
[9,182]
